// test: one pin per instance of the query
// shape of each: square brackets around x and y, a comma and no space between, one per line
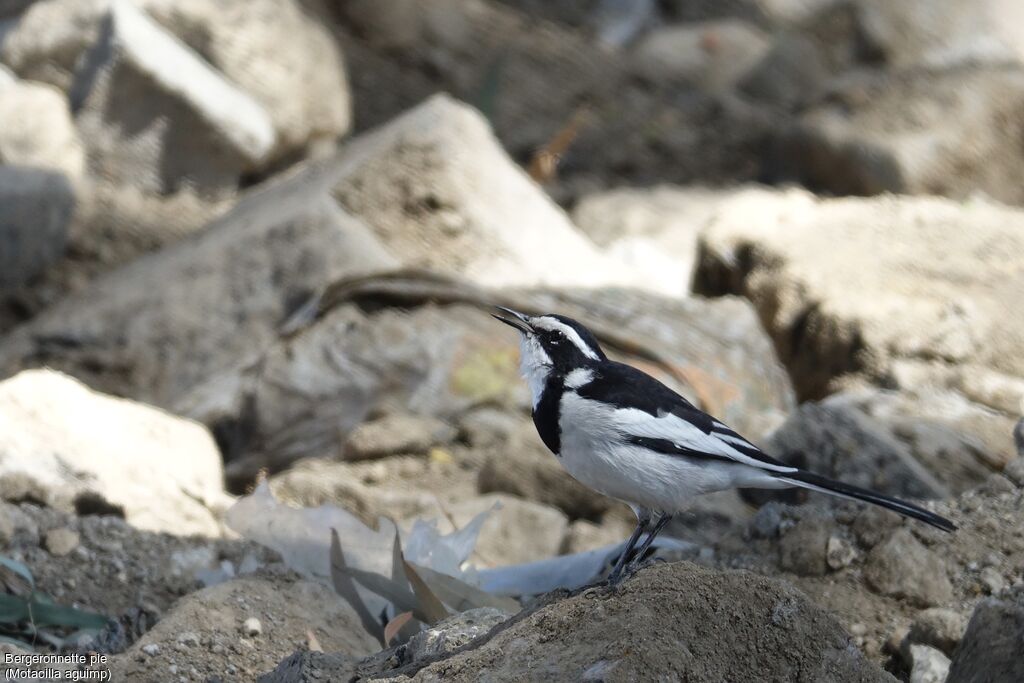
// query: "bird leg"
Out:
[643,518]
[661,524]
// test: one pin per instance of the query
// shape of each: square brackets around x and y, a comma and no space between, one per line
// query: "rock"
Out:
[1014,471]
[826,293]
[393,434]
[930,132]
[277,52]
[928,665]
[992,580]
[843,444]
[252,627]
[61,541]
[152,649]
[305,665]
[941,34]
[904,568]
[198,301]
[75,449]
[1018,437]
[402,488]
[802,549]
[202,629]
[643,226]
[567,639]
[36,130]
[281,52]
[710,55]
[990,648]
[961,442]
[839,553]
[188,124]
[34,222]
[440,193]
[386,23]
[447,636]
[937,627]
[792,73]
[518,531]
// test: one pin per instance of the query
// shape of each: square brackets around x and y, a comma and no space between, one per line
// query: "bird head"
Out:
[552,344]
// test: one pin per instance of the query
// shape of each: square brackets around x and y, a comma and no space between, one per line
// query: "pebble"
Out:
[188,639]
[252,627]
[839,553]
[928,665]
[152,649]
[61,541]
[992,580]
[938,627]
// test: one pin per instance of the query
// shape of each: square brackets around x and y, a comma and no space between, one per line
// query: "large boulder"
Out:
[941,32]
[207,304]
[656,227]
[280,53]
[71,448]
[949,132]
[886,289]
[155,115]
[440,192]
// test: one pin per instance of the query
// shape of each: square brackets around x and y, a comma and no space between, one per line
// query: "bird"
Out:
[628,436]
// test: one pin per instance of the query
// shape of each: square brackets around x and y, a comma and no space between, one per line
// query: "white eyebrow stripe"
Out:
[578,377]
[547,323]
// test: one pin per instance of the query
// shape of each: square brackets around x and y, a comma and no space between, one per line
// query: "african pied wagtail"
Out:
[628,436]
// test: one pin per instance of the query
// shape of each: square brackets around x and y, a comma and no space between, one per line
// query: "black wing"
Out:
[623,386]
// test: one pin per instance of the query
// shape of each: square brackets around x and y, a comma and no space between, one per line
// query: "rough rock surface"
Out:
[942,33]
[153,114]
[843,444]
[116,569]
[916,312]
[278,52]
[37,207]
[210,303]
[904,568]
[396,434]
[74,449]
[203,636]
[725,619]
[36,130]
[647,226]
[440,192]
[912,133]
[990,649]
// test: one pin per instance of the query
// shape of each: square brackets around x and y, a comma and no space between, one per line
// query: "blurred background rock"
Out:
[279,223]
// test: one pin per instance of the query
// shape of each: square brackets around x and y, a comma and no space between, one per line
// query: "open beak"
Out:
[514,319]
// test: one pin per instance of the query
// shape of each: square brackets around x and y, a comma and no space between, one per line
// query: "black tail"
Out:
[809,480]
